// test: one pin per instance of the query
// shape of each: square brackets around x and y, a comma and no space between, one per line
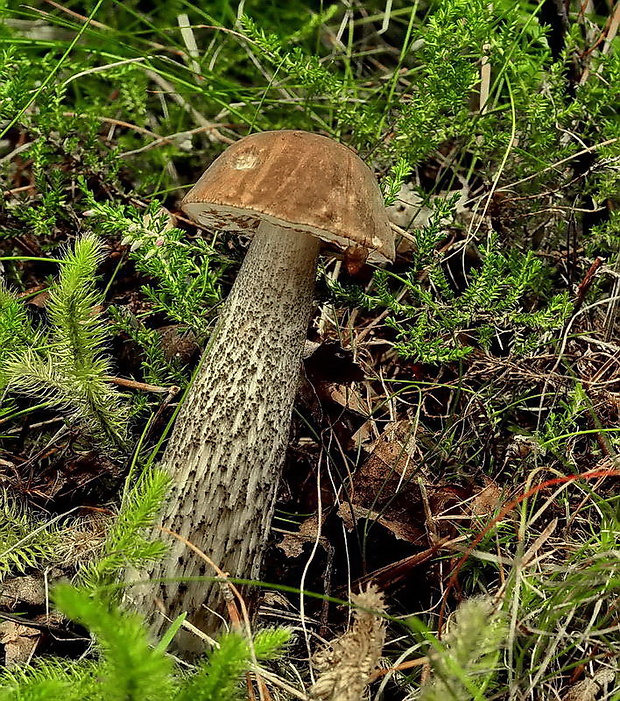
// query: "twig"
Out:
[553,166]
[418,662]
[586,283]
[16,151]
[117,122]
[133,384]
[167,140]
[101,69]
[28,623]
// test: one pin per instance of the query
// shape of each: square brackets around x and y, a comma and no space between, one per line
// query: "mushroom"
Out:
[292,190]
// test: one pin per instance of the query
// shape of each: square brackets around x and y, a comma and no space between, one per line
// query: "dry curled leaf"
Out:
[18,641]
[385,488]
[293,543]
[487,500]
[590,688]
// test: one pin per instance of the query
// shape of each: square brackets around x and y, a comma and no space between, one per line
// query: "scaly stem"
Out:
[229,441]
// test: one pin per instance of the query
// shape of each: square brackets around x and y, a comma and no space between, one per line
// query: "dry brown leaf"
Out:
[293,543]
[349,398]
[351,513]
[19,642]
[385,488]
[487,500]
[364,436]
[393,488]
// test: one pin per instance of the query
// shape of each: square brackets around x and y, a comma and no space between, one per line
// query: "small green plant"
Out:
[563,419]
[25,542]
[65,366]
[466,662]
[127,667]
[187,271]
[17,334]
[431,316]
[126,543]
[156,367]
[567,611]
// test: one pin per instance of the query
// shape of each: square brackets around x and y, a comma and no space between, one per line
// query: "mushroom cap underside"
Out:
[296,180]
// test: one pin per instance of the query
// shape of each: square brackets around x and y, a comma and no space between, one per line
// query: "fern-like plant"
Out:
[24,542]
[466,662]
[67,367]
[126,543]
[127,667]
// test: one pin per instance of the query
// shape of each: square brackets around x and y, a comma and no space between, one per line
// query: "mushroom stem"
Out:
[227,448]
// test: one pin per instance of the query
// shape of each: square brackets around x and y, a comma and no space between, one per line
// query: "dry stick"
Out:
[133,384]
[607,35]
[73,14]
[396,570]
[17,190]
[586,283]
[39,625]
[276,681]
[589,149]
[613,30]
[15,152]
[418,662]
[101,69]
[165,140]
[117,122]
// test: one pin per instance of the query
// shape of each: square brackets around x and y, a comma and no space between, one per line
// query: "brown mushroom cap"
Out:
[296,180]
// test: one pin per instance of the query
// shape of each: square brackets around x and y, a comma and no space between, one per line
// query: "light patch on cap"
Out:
[245,161]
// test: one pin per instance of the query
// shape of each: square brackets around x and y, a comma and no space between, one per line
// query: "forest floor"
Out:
[455,436]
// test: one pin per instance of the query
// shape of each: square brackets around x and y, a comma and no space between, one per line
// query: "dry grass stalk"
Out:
[346,667]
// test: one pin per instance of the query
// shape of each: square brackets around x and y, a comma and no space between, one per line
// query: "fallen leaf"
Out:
[352,513]
[487,500]
[590,688]
[19,642]
[349,398]
[293,543]
[387,488]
